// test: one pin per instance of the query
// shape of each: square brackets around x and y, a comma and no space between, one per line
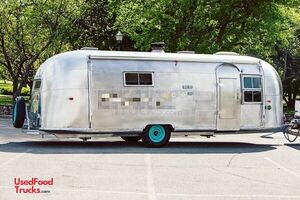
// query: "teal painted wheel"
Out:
[157,133]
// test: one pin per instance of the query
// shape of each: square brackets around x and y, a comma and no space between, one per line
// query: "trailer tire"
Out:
[131,138]
[156,135]
[19,112]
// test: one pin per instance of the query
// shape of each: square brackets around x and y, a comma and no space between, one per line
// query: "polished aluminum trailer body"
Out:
[86,91]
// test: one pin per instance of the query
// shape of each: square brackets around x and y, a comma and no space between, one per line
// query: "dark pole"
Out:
[119,45]
[119,38]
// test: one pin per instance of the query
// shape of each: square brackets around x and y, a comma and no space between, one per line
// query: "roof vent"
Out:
[89,48]
[158,47]
[227,53]
[187,52]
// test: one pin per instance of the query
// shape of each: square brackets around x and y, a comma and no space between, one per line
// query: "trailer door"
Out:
[229,98]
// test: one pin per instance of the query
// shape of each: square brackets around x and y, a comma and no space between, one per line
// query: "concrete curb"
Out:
[5,116]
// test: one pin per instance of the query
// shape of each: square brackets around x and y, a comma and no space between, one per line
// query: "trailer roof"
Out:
[187,57]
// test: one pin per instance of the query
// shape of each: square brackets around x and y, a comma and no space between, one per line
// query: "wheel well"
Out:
[168,126]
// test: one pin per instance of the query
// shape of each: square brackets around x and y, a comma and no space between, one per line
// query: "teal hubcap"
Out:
[157,133]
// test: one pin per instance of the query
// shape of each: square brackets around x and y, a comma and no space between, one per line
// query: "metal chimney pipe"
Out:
[158,47]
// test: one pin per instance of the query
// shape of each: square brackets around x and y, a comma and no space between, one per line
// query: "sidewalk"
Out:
[5,116]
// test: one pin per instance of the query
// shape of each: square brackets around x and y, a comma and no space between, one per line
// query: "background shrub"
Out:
[25,92]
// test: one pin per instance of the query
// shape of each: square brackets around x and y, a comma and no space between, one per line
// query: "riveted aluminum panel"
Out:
[183,95]
[64,92]
[297,108]
[273,97]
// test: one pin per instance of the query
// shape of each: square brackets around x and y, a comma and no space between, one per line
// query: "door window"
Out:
[252,89]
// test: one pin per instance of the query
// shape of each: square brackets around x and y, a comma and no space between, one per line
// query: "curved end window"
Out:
[37,84]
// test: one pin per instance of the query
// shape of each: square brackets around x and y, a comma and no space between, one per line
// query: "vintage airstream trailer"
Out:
[148,95]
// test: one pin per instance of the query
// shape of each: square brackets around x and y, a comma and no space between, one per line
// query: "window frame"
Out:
[34,84]
[252,89]
[138,72]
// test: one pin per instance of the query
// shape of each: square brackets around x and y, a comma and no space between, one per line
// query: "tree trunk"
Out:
[16,91]
[291,104]
[30,84]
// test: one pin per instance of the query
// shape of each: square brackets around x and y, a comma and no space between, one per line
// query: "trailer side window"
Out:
[138,78]
[131,79]
[145,79]
[252,90]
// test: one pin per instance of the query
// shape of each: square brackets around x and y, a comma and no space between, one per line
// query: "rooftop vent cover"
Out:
[89,48]
[187,52]
[228,53]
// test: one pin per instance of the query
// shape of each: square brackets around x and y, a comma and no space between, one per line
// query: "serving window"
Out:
[252,89]
[138,78]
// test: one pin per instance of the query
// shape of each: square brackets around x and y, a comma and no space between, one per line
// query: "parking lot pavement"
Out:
[248,166]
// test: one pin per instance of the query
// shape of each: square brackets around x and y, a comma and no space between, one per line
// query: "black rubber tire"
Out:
[149,143]
[19,112]
[131,138]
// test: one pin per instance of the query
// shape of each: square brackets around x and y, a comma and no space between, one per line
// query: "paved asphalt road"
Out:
[252,166]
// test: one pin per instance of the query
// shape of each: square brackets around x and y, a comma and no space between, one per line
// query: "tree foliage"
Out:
[30,29]
[33,30]
[287,56]
[261,28]
[93,26]
[200,25]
